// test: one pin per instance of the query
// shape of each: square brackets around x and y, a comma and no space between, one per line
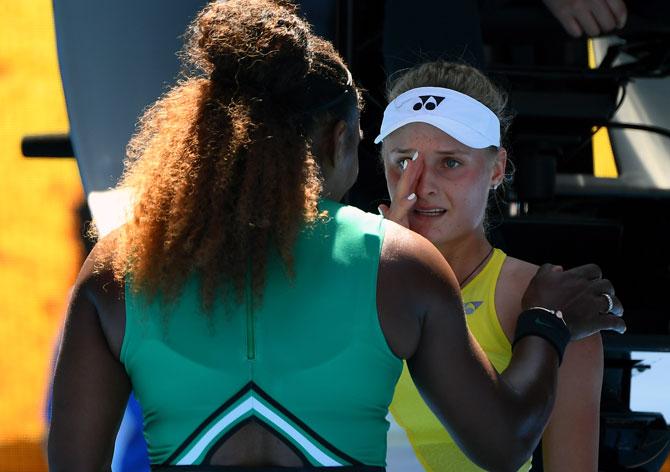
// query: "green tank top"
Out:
[311,364]
[430,442]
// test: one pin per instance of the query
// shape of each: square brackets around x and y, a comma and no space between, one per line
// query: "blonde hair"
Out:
[469,81]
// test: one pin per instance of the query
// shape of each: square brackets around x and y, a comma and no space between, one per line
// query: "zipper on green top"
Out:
[251,333]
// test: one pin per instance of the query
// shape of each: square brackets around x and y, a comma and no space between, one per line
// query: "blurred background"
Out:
[40,248]
[590,144]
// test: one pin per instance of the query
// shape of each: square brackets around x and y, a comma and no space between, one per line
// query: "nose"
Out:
[426,183]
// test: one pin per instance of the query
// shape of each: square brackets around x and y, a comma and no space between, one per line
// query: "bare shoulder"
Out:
[97,272]
[514,278]
[517,273]
[97,284]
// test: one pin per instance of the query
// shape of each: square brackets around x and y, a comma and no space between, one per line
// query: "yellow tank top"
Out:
[431,443]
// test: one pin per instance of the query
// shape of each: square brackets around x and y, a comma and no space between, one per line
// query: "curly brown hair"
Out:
[223,167]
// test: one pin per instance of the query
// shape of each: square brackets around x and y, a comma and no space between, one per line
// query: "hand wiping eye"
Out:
[405,162]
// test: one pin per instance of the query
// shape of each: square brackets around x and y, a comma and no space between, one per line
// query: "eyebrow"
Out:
[451,152]
[447,152]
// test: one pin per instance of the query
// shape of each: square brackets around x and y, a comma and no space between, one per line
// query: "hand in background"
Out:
[590,17]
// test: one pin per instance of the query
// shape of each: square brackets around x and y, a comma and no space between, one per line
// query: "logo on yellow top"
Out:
[470,307]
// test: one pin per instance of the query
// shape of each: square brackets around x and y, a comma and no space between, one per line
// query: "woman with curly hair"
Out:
[259,323]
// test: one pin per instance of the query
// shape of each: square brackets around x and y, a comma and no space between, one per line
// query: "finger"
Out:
[605,299]
[614,323]
[564,17]
[404,197]
[602,286]
[617,307]
[571,26]
[618,8]
[588,23]
[397,212]
[588,271]
[603,16]
[409,176]
[546,268]
[383,210]
[400,209]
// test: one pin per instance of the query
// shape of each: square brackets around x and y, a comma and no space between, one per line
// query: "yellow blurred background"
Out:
[39,247]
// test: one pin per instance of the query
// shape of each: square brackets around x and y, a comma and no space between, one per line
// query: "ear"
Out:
[339,141]
[499,164]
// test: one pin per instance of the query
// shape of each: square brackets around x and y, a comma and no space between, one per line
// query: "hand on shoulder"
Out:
[587,301]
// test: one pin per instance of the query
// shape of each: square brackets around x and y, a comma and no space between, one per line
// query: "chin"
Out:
[426,230]
[438,235]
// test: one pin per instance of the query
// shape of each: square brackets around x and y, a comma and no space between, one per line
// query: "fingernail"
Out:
[404,164]
[415,156]
[411,196]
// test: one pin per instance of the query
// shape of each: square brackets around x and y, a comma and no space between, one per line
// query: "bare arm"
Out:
[496,419]
[574,423]
[91,387]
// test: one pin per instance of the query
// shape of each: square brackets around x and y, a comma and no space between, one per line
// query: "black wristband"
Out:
[542,323]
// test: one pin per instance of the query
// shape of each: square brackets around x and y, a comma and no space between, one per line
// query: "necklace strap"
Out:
[477,267]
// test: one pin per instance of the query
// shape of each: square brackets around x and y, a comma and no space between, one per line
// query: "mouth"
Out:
[430,212]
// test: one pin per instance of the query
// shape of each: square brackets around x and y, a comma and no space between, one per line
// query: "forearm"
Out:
[496,420]
[522,402]
[531,380]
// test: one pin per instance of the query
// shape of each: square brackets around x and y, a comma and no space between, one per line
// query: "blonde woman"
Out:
[441,146]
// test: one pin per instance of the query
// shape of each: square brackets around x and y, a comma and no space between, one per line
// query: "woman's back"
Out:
[308,363]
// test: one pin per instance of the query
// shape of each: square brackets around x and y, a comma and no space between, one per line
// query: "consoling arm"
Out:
[90,388]
[496,419]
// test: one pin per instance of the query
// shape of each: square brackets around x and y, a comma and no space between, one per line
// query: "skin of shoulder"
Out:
[574,422]
[514,278]
[97,280]
[91,386]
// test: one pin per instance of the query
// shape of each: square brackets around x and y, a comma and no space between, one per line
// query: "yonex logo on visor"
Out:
[428,102]
[460,116]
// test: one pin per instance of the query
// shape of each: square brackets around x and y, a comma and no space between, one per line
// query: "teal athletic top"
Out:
[311,363]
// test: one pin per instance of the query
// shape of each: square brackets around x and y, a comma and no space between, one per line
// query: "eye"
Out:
[452,163]
[402,163]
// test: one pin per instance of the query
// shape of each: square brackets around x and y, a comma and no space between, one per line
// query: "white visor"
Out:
[460,116]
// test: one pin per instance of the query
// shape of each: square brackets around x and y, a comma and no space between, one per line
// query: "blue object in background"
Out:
[130,448]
